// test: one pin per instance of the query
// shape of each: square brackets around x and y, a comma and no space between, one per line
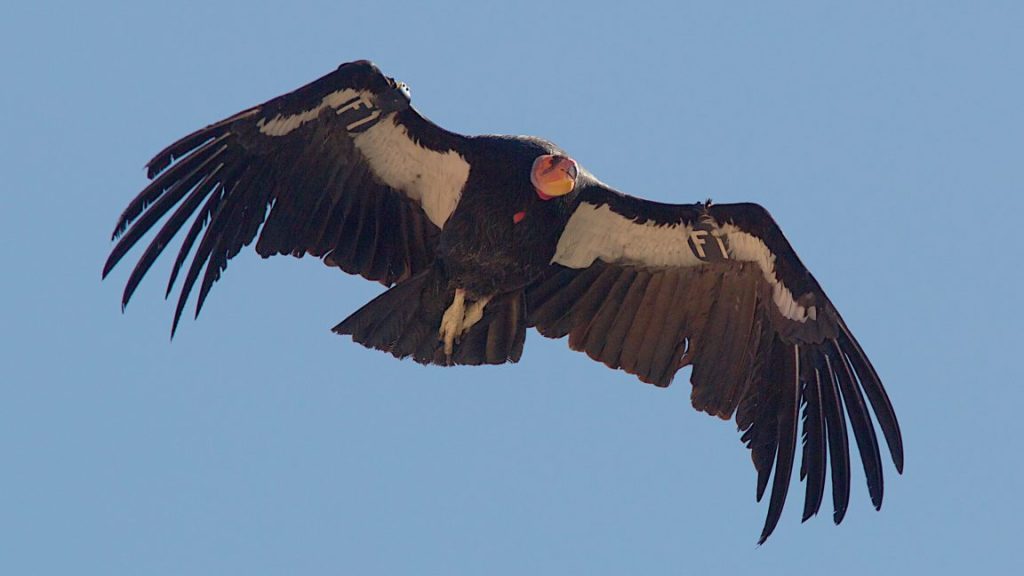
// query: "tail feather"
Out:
[404,321]
[499,336]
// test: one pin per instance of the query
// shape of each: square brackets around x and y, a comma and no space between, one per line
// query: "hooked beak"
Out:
[553,176]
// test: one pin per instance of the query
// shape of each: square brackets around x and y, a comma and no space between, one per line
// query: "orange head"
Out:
[553,175]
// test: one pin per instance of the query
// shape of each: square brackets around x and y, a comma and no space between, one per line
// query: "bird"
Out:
[478,238]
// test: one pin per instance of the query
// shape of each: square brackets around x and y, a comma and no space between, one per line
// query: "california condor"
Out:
[479,238]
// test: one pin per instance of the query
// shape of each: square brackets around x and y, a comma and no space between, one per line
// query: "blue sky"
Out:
[885,138]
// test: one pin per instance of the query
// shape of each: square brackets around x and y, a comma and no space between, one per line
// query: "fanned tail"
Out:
[404,322]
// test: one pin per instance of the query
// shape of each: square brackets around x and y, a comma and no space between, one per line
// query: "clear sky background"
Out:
[886,138]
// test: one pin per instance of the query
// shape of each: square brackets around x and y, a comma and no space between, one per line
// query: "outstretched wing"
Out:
[650,288]
[342,168]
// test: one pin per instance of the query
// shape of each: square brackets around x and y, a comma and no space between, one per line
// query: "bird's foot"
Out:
[459,318]
[451,322]
[474,313]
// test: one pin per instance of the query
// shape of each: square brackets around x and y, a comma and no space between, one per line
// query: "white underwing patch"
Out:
[750,248]
[597,232]
[433,179]
[282,125]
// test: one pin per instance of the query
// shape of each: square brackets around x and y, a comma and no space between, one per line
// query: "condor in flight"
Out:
[480,237]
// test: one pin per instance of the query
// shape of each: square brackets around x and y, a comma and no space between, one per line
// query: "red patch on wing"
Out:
[518,216]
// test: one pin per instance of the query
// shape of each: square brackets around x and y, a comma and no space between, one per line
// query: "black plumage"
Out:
[479,238]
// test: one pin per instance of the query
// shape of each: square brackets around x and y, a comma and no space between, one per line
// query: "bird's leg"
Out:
[474,313]
[459,318]
[451,322]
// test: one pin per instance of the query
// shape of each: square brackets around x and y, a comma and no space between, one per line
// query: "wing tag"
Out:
[362,112]
[705,244]
[359,113]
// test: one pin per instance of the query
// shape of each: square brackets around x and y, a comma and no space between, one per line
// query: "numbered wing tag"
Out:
[365,110]
[707,243]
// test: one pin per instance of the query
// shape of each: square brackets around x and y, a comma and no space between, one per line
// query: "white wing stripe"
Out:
[596,232]
[750,248]
[434,179]
[282,125]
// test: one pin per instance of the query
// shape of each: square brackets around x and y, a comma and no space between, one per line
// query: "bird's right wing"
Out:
[342,168]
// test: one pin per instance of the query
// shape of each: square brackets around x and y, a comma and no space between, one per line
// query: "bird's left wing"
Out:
[649,288]
[342,168]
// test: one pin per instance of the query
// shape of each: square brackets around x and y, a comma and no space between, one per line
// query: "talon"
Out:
[458,319]
[451,322]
